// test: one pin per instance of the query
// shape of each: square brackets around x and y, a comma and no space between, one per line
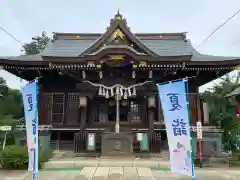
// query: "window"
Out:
[58,100]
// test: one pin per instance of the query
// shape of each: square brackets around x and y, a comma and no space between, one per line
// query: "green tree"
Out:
[11,109]
[223,112]
[37,44]
[10,101]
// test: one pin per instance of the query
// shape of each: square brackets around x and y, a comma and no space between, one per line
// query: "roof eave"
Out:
[227,62]
[31,60]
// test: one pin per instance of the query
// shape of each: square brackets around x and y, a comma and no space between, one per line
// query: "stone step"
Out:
[107,162]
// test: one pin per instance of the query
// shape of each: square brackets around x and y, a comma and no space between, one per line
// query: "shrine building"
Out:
[97,91]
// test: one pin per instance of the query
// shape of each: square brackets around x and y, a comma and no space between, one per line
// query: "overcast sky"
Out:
[28,18]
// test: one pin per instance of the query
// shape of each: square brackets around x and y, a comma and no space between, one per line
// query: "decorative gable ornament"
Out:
[118,16]
[118,33]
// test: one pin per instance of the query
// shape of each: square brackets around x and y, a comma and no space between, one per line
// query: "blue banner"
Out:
[175,107]
[30,102]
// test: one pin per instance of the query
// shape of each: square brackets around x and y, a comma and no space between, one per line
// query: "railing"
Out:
[62,144]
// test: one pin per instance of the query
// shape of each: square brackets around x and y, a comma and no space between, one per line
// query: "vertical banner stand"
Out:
[188,106]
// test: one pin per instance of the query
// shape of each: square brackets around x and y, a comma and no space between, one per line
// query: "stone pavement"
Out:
[118,173]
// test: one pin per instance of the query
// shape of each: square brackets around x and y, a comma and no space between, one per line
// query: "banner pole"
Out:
[36,148]
[188,107]
[175,80]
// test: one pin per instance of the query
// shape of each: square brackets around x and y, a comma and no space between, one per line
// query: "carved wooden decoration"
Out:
[118,33]
[116,57]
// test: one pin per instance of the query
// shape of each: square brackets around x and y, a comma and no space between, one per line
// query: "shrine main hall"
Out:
[97,91]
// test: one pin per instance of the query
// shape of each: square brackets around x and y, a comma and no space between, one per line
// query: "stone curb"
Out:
[106,163]
[161,164]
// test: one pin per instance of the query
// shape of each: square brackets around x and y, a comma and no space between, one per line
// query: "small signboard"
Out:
[91,142]
[139,136]
[5,128]
[91,139]
[199,129]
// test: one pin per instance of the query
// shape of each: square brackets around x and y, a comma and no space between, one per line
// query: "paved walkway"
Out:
[118,173]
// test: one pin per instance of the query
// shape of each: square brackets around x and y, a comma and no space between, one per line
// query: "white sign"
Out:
[5,128]
[199,129]
[139,136]
[91,139]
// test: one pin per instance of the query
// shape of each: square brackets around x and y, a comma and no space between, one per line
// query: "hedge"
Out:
[16,157]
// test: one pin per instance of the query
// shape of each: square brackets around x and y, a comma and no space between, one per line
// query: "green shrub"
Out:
[235,160]
[16,157]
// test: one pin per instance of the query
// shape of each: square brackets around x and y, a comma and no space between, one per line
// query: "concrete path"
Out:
[118,173]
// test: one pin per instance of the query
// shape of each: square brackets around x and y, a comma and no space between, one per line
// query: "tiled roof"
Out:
[169,47]
[36,57]
[73,48]
[162,47]
[66,48]
[205,57]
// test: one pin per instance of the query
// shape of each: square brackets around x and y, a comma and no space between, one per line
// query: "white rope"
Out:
[116,85]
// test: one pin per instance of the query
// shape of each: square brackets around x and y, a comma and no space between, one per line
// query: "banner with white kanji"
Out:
[174,102]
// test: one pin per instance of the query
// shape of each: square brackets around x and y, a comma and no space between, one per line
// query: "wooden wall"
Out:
[59,100]
[59,108]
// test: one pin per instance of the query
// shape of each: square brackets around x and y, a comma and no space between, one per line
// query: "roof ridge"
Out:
[80,36]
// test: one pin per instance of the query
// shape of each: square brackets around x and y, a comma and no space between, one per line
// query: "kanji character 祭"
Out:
[179,127]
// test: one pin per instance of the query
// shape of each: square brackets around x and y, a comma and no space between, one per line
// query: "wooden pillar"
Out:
[143,111]
[83,110]
[65,108]
[151,118]
[90,111]
[151,111]
[160,111]
[83,116]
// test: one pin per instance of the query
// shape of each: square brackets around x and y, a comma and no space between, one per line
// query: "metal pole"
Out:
[5,139]
[34,176]
[117,126]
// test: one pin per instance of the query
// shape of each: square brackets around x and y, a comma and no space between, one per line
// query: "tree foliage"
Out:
[223,112]
[37,44]
[11,107]
[10,101]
